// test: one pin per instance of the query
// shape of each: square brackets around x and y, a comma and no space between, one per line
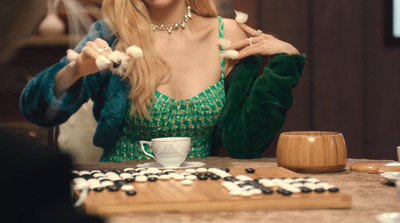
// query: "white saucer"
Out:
[184,165]
[391,176]
[388,217]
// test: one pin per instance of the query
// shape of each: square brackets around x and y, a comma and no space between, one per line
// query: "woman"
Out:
[181,87]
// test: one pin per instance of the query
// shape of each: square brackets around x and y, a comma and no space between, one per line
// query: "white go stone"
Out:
[236,192]
[187,182]
[93,181]
[289,187]
[78,180]
[95,171]
[75,172]
[256,191]
[125,175]
[311,186]
[190,177]
[153,170]
[129,169]
[248,187]
[288,180]
[201,170]
[141,179]
[190,170]
[83,172]
[114,178]
[97,175]
[178,177]
[127,187]
[165,177]
[246,193]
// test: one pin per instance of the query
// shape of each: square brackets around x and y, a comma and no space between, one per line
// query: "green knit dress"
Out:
[194,118]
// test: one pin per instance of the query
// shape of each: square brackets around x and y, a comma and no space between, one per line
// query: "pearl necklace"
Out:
[176,26]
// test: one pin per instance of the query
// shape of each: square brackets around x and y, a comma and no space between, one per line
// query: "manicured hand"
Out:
[260,43]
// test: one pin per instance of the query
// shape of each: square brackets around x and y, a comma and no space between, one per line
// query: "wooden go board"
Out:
[208,196]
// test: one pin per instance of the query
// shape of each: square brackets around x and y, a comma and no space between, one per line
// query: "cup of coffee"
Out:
[169,151]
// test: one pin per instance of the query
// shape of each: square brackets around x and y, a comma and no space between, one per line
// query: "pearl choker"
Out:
[176,26]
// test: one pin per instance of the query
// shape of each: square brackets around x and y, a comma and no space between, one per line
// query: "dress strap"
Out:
[221,35]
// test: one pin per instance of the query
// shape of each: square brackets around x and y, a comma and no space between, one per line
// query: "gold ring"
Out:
[83,49]
[259,32]
[251,42]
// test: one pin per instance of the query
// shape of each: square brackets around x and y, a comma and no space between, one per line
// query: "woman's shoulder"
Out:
[232,30]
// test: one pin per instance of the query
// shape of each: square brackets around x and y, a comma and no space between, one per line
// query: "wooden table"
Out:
[371,195]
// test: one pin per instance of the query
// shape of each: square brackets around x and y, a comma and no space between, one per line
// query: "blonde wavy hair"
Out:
[130,22]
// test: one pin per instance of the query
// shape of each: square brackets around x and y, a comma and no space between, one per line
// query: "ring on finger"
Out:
[100,51]
[251,42]
[259,32]
[84,48]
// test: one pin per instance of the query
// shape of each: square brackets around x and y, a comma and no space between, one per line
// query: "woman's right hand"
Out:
[86,60]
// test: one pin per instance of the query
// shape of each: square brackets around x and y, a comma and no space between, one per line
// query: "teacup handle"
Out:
[142,147]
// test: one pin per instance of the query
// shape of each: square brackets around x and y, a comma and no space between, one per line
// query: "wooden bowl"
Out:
[312,151]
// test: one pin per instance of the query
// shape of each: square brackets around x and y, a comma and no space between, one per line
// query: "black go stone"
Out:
[209,174]
[112,188]
[267,190]
[119,183]
[284,192]
[152,179]
[202,177]
[102,180]
[305,190]
[230,178]
[131,192]
[197,174]
[98,189]
[129,180]
[226,169]
[333,189]
[319,190]
[75,175]
[87,176]
[215,177]
[169,171]
[130,171]
[105,171]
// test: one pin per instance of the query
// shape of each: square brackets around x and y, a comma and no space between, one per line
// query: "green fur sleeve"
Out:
[256,106]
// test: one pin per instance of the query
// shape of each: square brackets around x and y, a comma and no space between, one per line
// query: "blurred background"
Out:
[350,85]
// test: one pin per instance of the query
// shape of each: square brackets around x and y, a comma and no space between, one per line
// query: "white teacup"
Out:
[398,153]
[169,151]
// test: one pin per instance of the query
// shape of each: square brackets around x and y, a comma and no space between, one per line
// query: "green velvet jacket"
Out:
[254,111]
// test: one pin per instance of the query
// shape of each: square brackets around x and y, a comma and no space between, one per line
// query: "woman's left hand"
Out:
[260,43]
